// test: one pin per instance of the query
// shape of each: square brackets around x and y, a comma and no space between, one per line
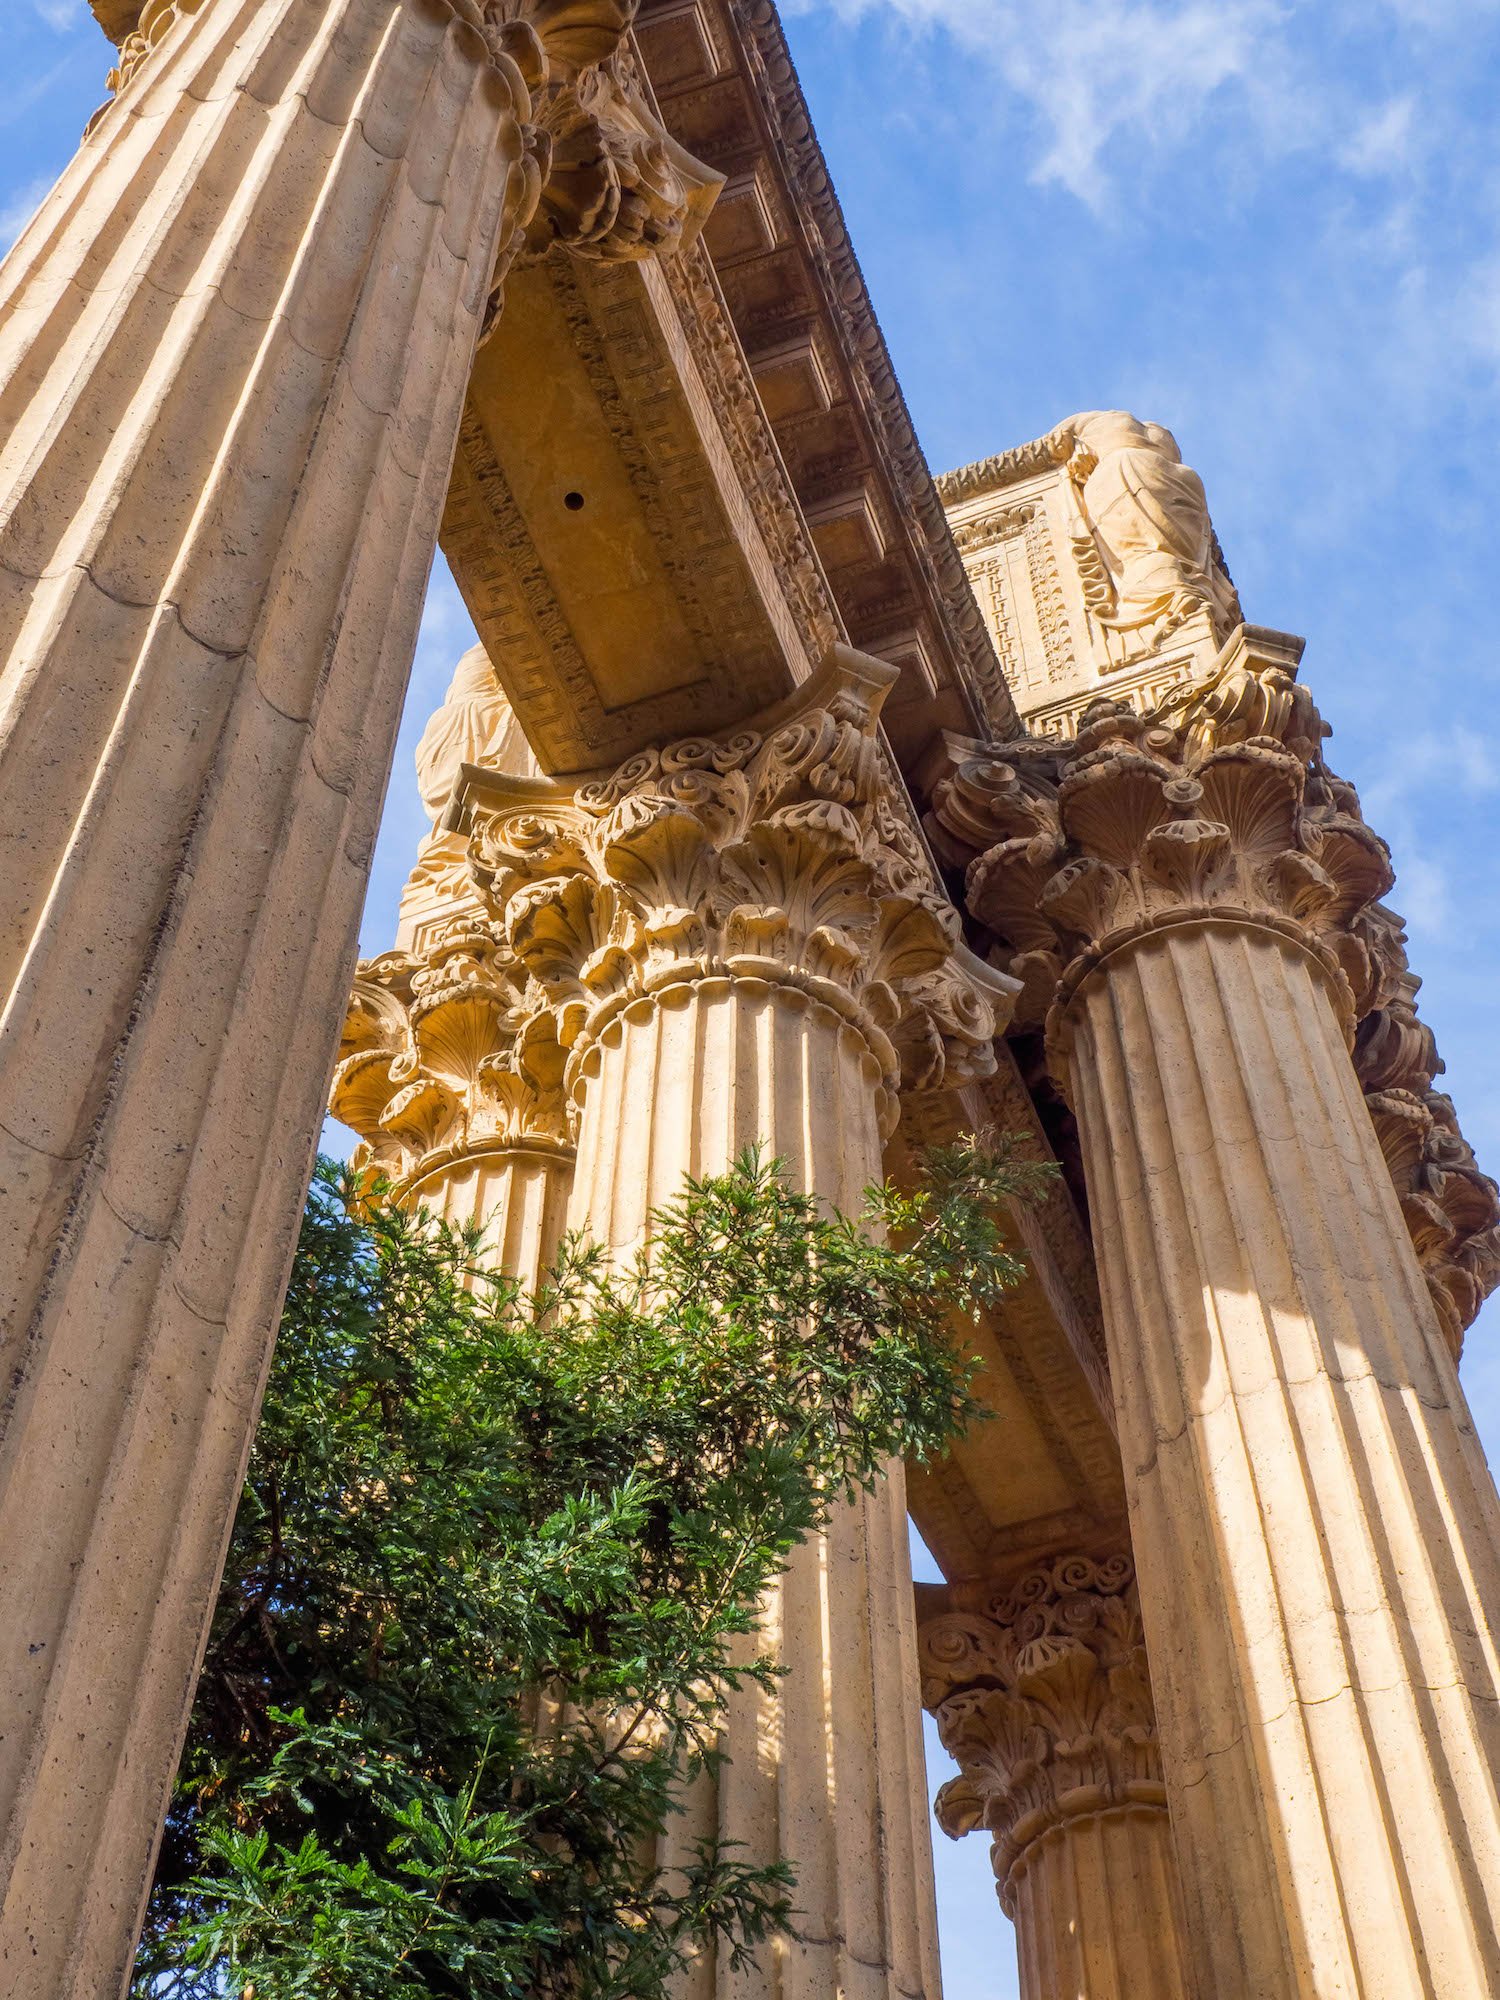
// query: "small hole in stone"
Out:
[572,501]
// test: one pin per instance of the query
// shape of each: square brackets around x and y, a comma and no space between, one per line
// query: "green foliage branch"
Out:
[496,1568]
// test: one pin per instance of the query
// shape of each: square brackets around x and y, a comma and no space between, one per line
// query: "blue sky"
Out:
[1274,227]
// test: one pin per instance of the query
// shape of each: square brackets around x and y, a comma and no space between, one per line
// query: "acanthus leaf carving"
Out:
[447,1053]
[1042,1697]
[1148,820]
[768,854]
[1451,1208]
[1218,806]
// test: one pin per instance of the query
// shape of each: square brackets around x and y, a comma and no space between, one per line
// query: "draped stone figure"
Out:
[1142,534]
[475,725]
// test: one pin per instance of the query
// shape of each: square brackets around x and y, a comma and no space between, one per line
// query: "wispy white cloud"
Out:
[1457,765]
[1383,142]
[60,14]
[18,103]
[1138,75]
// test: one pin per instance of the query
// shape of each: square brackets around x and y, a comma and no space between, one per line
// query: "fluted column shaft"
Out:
[1097,1910]
[743,945]
[1316,1532]
[233,352]
[1194,900]
[517,1195]
[827,1770]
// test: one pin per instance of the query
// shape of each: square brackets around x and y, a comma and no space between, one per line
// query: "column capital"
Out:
[1042,1697]
[614,184]
[448,1055]
[1217,807]
[779,853]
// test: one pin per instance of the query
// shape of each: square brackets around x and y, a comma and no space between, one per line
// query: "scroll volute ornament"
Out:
[613,184]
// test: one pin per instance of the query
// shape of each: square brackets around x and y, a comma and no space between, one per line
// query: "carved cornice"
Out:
[973,537]
[447,1056]
[1005,468]
[1042,1698]
[741,414]
[824,238]
[776,854]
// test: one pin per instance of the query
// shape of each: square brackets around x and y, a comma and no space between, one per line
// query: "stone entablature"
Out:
[1095,564]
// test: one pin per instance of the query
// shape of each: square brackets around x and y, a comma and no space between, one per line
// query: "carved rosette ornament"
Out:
[448,1057]
[776,855]
[1219,809]
[1042,1698]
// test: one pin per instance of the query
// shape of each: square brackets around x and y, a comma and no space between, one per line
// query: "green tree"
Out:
[493,1572]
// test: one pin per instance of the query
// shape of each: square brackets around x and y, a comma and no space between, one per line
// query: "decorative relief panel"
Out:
[1012,563]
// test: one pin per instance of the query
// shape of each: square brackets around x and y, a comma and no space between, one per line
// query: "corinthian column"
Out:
[745,944]
[1042,1697]
[451,1073]
[234,348]
[1193,899]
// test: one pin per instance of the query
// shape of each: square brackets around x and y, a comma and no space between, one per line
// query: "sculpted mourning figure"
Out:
[475,725]
[1141,531]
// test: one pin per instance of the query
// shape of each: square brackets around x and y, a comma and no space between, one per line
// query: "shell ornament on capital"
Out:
[1138,825]
[1219,807]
